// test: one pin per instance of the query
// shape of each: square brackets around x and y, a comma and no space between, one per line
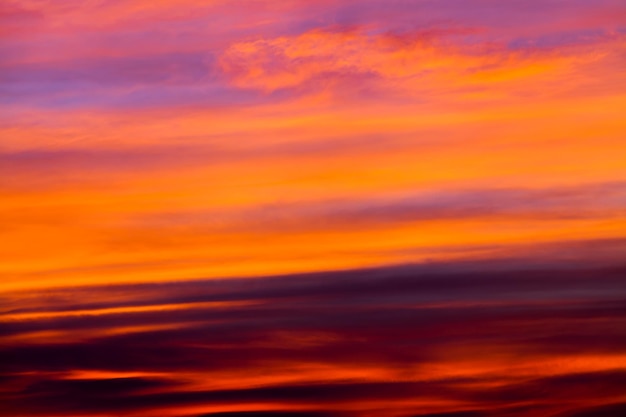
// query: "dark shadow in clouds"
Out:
[455,414]
[113,396]
[374,331]
[562,388]
[559,271]
[396,319]
[271,414]
[317,393]
[93,388]
[610,410]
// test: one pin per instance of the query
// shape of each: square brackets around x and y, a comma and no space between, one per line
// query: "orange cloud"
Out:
[425,63]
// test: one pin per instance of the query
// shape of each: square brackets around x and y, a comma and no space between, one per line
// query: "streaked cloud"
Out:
[292,208]
[408,337]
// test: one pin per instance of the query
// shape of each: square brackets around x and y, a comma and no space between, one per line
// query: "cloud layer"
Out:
[482,338]
[153,153]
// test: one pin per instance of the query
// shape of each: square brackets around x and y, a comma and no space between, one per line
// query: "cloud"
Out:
[470,413]
[429,63]
[92,388]
[458,57]
[576,203]
[274,413]
[609,410]
[440,332]
[150,147]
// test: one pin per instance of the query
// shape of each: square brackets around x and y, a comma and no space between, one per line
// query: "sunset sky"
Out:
[353,208]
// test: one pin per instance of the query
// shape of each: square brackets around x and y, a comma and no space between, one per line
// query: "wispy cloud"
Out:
[153,153]
[402,335]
